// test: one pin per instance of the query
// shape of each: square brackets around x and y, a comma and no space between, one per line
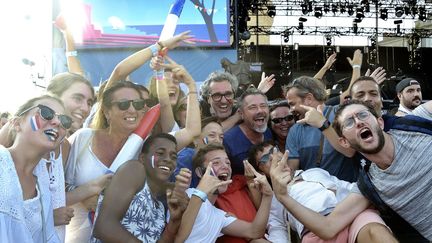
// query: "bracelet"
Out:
[154,50]
[356,66]
[71,53]
[198,193]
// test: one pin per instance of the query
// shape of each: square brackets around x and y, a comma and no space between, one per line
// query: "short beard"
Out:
[381,141]
[260,129]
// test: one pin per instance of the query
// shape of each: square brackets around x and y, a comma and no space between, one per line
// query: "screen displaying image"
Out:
[119,23]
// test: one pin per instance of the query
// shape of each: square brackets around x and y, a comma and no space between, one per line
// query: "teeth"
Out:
[164,168]
[79,116]
[52,134]
[223,106]
[130,118]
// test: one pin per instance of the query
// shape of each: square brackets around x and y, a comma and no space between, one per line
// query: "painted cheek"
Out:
[35,122]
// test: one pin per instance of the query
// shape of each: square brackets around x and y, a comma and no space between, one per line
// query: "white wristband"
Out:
[154,49]
[356,66]
[202,195]
[71,53]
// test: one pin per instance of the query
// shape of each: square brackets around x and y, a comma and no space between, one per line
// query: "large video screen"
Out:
[131,23]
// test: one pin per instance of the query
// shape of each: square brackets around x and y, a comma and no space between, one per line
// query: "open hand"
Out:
[266,82]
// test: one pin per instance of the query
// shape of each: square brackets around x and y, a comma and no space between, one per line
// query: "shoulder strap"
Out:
[408,123]
[321,147]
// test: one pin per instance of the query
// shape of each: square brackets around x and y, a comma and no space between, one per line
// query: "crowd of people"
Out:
[220,165]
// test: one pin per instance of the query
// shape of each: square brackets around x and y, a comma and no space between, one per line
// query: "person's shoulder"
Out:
[81,133]
[133,171]
[232,131]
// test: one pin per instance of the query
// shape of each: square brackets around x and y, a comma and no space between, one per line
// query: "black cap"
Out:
[405,83]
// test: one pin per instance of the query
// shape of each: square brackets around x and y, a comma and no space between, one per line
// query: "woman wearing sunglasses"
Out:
[26,210]
[281,119]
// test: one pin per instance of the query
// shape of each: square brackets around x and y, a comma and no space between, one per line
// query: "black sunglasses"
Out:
[125,104]
[48,114]
[279,120]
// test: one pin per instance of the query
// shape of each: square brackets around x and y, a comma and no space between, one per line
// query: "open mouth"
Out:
[365,133]
[164,168]
[131,119]
[52,134]
[223,176]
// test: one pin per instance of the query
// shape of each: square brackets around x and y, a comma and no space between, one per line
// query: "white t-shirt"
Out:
[209,222]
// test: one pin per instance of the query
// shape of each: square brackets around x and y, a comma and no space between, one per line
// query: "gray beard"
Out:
[260,129]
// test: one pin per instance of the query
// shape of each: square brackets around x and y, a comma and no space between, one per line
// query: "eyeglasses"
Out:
[361,115]
[280,119]
[125,104]
[48,114]
[216,97]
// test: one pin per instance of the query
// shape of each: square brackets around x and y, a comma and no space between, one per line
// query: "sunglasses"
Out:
[279,120]
[265,157]
[125,104]
[48,114]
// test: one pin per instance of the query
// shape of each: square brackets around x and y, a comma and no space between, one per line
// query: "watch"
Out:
[325,125]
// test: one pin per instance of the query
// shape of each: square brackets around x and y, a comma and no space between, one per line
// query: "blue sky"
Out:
[152,12]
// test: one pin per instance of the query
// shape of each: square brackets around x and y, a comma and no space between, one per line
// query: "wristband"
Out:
[154,50]
[198,193]
[71,53]
[356,66]
[325,125]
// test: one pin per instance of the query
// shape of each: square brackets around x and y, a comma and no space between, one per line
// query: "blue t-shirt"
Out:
[184,160]
[303,143]
[237,146]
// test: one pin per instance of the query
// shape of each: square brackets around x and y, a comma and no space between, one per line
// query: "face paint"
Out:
[35,122]
[153,161]
[205,140]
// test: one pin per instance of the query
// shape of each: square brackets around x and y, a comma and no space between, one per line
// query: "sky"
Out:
[25,34]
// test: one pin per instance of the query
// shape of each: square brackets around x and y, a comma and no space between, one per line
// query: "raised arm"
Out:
[136,60]
[355,63]
[118,195]
[330,60]
[325,227]
[193,115]
[73,63]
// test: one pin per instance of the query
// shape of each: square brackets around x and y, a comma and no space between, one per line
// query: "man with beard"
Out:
[254,111]
[410,96]
[401,172]
[308,146]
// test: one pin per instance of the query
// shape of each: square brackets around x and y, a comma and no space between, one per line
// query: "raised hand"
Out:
[280,174]
[178,71]
[209,183]
[260,180]
[266,82]
[177,40]
[313,117]
[183,180]
[379,74]
[330,60]
[63,215]
[357,58]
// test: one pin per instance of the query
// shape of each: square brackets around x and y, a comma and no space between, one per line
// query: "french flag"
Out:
[34,122]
